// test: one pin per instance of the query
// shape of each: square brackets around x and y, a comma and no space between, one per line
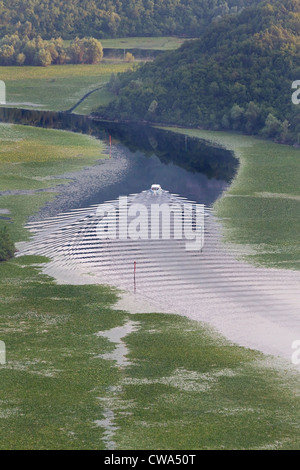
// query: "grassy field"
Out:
[159,43]
[59,87]
[184,386]
[29,156]
[261,210]
[184,389]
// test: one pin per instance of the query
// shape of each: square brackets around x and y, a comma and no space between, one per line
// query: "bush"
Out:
[7,247]
[129,57]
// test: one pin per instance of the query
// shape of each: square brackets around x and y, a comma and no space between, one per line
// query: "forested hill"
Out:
[113,18]
[237,76]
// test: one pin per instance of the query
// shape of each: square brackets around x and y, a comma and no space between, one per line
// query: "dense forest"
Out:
[113,18]
[237,76]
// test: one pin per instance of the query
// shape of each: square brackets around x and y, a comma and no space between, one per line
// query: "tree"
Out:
[237,116]
[285,136]
[43,58]
[76,51]
[129,57]
[61,50]
[20,59]
[252,115]
[7,54]
[30,50]
[114,84]
[53,51]
[93,51]
[26,28]
[153,106]
[273,126]
[107,18]
[225,122]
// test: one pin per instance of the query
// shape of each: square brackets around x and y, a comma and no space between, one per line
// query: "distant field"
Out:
[159,43]
[59,87]
[166,43]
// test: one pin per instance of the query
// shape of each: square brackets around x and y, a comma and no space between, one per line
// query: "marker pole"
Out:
[134,276]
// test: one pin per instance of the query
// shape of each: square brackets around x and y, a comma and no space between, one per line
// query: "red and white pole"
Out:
[134,276]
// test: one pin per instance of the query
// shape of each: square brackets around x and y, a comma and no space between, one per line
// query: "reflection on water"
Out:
[181,164]
[143,171]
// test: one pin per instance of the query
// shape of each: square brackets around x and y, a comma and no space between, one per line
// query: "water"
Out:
[253,307]
[182,165]
[143,171]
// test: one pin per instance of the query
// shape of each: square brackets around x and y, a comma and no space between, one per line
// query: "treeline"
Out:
[238,76]
[110,18]
[23,50]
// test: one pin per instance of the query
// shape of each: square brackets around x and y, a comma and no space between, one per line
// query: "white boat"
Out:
[156,189]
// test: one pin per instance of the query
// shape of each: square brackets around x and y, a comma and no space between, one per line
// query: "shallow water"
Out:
[115,336]
[254,307]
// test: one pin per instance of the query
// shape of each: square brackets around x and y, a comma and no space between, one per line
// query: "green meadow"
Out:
[30,158]
[151,43]
[261,210]
[160,43]
[185,388]
[58,87]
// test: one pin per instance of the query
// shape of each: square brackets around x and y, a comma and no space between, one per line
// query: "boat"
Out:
[156,189]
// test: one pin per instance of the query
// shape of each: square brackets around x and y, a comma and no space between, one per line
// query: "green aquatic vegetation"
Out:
[260,211]
[183,387]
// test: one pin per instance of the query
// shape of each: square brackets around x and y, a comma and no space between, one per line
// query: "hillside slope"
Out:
[110,18]
[237,76]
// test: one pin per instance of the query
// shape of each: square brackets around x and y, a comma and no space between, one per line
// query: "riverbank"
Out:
[260,210]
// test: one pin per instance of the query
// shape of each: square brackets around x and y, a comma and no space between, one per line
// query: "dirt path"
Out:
[82,99]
